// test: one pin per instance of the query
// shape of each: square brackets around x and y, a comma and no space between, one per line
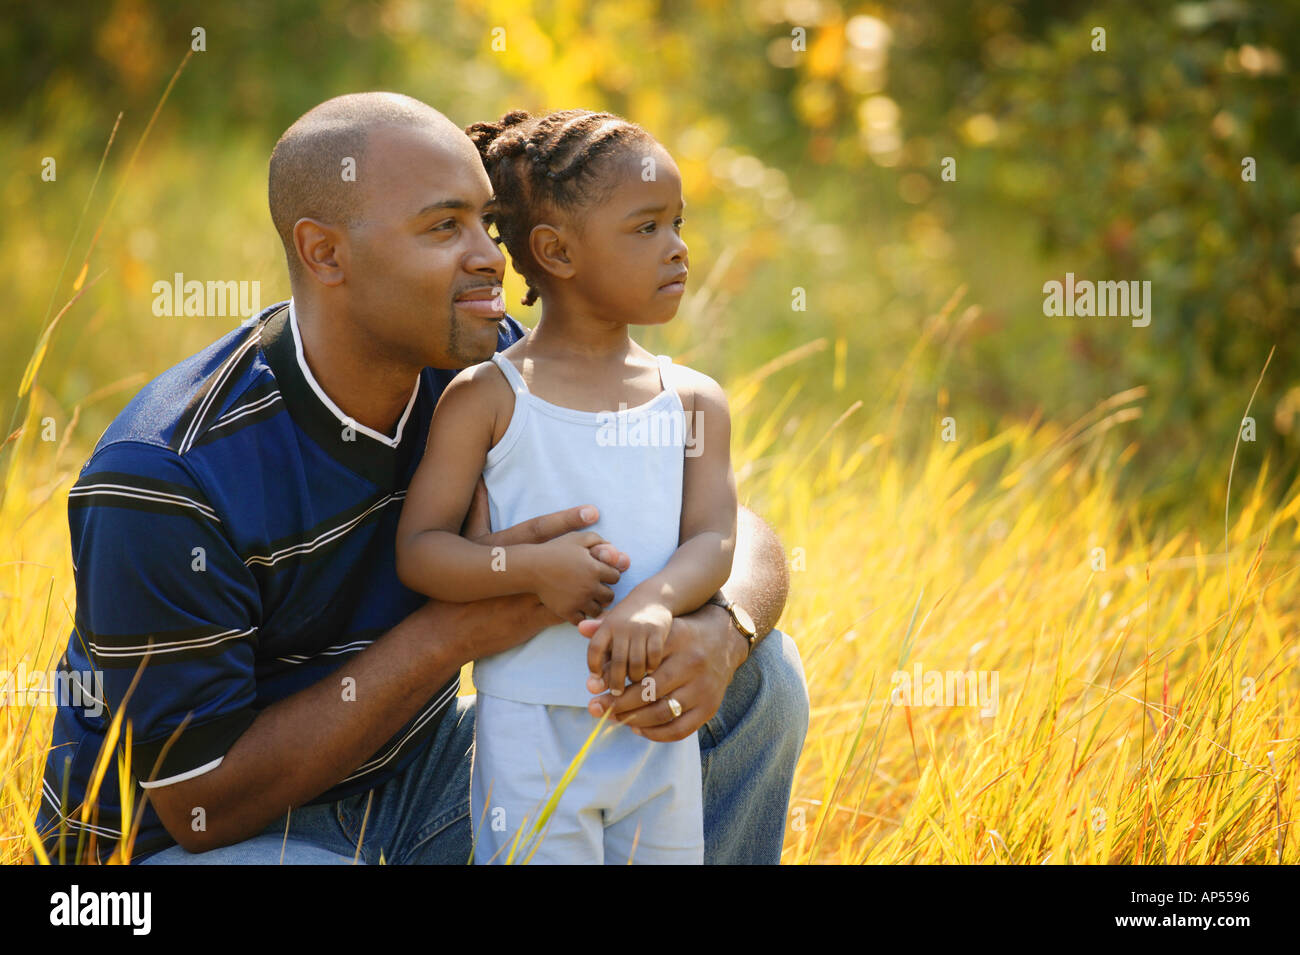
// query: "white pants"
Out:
[631,799]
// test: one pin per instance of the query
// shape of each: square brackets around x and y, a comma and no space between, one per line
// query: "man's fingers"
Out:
[667,682]
[655,721]
[658,711]
[683,726]
[549,526]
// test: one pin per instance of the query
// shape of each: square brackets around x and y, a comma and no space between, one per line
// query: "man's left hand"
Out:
[701,654]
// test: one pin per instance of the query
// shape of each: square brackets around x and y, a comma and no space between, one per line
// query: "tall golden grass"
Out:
[1147,692]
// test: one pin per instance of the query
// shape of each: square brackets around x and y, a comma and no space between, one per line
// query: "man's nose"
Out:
[486,255]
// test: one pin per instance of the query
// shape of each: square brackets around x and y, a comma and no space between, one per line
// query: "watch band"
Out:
[740,619]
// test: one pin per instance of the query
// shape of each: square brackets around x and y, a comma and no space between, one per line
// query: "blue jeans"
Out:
[421,816]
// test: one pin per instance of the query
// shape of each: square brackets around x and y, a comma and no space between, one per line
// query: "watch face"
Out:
[743,620]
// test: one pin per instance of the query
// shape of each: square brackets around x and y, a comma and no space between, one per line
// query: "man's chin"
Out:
[471,346]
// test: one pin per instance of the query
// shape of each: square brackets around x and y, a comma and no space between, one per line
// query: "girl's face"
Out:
[629,261]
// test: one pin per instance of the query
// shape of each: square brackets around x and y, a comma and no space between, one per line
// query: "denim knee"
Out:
[782,699]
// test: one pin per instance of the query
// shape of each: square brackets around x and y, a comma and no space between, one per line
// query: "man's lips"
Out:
[486,301]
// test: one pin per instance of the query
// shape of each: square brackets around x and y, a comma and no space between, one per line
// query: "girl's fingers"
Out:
[617,666]
[596,649]
[654,654]
[636,655]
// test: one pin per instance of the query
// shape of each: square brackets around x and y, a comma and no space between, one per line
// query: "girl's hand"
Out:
[632,636]
[569,579]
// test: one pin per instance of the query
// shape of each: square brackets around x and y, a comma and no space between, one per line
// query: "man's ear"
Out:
[322,250]
[550,250]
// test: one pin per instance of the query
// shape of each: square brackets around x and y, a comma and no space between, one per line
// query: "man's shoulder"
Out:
[183,408]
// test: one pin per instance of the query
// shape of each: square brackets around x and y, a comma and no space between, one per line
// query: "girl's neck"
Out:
[566,332]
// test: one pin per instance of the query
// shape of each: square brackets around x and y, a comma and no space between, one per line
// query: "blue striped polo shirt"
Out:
[236,528]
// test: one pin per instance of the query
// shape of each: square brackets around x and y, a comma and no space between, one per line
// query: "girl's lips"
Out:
[673,288]
[494,307]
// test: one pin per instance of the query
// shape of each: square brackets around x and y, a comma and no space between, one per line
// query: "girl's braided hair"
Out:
[538,164]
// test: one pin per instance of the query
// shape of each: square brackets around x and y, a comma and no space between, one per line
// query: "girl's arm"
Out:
[432,557]
[702,561]
[634,630]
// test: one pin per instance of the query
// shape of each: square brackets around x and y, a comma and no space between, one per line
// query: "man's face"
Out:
[630,254]
[422,267]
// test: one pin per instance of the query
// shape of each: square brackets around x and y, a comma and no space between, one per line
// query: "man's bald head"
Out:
[307,164]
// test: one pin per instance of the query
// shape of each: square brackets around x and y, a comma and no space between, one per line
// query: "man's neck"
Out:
[366,386]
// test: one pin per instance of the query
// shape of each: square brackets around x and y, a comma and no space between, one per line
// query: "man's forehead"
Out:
[417,165]
[447,150]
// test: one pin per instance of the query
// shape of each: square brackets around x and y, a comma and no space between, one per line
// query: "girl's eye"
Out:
[650,226]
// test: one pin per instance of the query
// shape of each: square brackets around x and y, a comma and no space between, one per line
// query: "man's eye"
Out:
[493,231]
[444,224]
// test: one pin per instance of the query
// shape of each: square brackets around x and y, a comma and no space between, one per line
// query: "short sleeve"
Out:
[161,590]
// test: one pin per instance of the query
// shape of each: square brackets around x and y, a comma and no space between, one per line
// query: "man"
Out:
[233,540]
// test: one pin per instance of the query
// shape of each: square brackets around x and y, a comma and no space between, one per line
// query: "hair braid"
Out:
[541,164]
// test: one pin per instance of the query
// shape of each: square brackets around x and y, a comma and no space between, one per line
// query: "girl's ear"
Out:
[550,249]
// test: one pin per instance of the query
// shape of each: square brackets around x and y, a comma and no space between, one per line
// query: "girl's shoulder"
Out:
[694,387]
[482,387]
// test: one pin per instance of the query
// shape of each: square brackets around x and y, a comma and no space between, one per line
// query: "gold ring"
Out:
[675,707]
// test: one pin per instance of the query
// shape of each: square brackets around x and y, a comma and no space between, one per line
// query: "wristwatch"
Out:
[740,618]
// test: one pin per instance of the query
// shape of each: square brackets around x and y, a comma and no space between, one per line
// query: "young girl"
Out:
[578,413]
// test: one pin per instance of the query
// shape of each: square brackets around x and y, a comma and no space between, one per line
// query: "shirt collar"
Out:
[344,419]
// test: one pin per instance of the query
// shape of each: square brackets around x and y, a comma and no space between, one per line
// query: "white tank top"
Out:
[628,463]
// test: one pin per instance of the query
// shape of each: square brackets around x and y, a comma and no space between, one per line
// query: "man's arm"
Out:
[265,773]
[760,578]
[302,745]
[704,648]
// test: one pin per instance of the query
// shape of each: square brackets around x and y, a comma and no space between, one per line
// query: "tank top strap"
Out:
[665,363]
[511,372]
